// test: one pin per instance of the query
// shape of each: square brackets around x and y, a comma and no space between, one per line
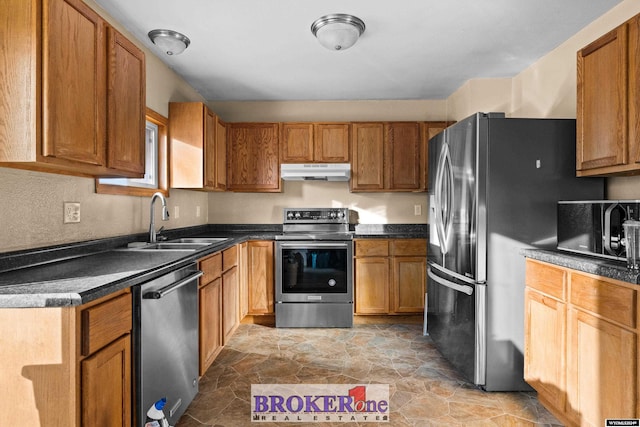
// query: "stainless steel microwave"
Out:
[595,227]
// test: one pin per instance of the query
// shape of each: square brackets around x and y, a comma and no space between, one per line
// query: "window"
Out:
[156,176]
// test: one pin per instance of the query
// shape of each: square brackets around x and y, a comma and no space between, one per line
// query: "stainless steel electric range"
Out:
[314,273]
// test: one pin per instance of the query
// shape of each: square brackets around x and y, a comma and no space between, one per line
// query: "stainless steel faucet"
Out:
[152,222]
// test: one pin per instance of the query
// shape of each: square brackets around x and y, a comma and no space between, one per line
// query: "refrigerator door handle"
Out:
[444,282]
[444,198]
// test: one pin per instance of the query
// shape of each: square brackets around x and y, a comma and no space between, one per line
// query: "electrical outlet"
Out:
[197,211]
[176,212]
[417,210]
[71,212]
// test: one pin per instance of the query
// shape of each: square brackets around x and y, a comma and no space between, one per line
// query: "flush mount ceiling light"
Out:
[171,42]
[337,31]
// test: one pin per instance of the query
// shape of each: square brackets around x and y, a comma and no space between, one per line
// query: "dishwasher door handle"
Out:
[172,287]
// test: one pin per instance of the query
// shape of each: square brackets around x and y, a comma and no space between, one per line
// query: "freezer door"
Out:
[454,199]
[456,322]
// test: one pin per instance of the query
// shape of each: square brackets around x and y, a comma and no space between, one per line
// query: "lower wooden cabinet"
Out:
[260,276]
[67,366]
[390,276]
[106,385]
[372,285]
[581,344]
[230,303]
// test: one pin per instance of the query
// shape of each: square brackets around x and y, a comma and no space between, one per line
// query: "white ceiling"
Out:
[411,49]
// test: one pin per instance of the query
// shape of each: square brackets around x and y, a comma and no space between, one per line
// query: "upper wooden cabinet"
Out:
[388,156]
[73,97]
[608,103]
[314,142]
[198,147]
[252,156]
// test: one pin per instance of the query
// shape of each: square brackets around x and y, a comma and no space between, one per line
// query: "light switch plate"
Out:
[71,212]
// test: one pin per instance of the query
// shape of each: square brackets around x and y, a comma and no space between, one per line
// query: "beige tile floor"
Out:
[424,389]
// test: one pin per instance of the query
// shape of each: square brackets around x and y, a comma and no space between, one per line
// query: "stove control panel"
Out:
[317,215]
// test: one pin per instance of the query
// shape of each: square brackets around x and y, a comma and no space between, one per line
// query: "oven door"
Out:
[314,271]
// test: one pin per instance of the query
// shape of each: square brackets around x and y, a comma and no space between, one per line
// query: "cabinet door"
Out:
[106,385]
[372,285]
[602,380]
[331,142]
[186,133]
[260,276]
[409,282]
[74,83]
[230,303]
[210,323]
[209,150]
[403,156]
[602,138]
[296,142]
[367,156]
[221,155]
[544,357]
[252,153]
[429,130]
[126,105]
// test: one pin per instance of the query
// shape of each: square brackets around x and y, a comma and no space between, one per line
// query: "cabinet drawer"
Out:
[373,247]
[211,267]
[229,258]
[409,247]
[105,322]
[547,279]
[615,302]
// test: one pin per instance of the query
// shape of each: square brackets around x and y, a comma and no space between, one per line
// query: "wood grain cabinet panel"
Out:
[581,347]
[296,142]
[126,121]
[73,98]
[261,288]
[608,106]
[545,346]
[106,386]
[390,275]
[602,376]
[372,277]
[314,142]
[210,300]
[403,156]
[230,303]
[198,147]
[331,142]
[252,154]
[367,156]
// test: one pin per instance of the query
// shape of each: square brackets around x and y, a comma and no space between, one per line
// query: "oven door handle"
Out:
[312,245]
[172,287]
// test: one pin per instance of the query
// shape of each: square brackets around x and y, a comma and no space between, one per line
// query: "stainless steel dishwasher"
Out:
[166,342]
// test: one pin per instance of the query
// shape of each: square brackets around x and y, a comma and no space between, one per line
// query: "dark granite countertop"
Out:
[598,266]
[74,274]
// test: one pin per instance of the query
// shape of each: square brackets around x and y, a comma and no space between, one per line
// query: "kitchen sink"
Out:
[168,246]
[199,240]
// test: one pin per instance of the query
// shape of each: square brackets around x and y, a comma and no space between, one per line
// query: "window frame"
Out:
[163,164]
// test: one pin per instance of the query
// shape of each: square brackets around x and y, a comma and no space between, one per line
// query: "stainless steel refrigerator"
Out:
[494,184]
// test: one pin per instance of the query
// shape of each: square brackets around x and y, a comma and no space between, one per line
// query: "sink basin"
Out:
[199,240]
[169,246]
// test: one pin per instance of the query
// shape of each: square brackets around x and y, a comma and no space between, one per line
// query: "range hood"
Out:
[315,171]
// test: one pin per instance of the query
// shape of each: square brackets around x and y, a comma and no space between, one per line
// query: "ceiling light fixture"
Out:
[337,31]
[171,42]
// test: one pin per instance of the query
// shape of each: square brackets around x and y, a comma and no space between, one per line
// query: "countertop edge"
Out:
[587,264]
